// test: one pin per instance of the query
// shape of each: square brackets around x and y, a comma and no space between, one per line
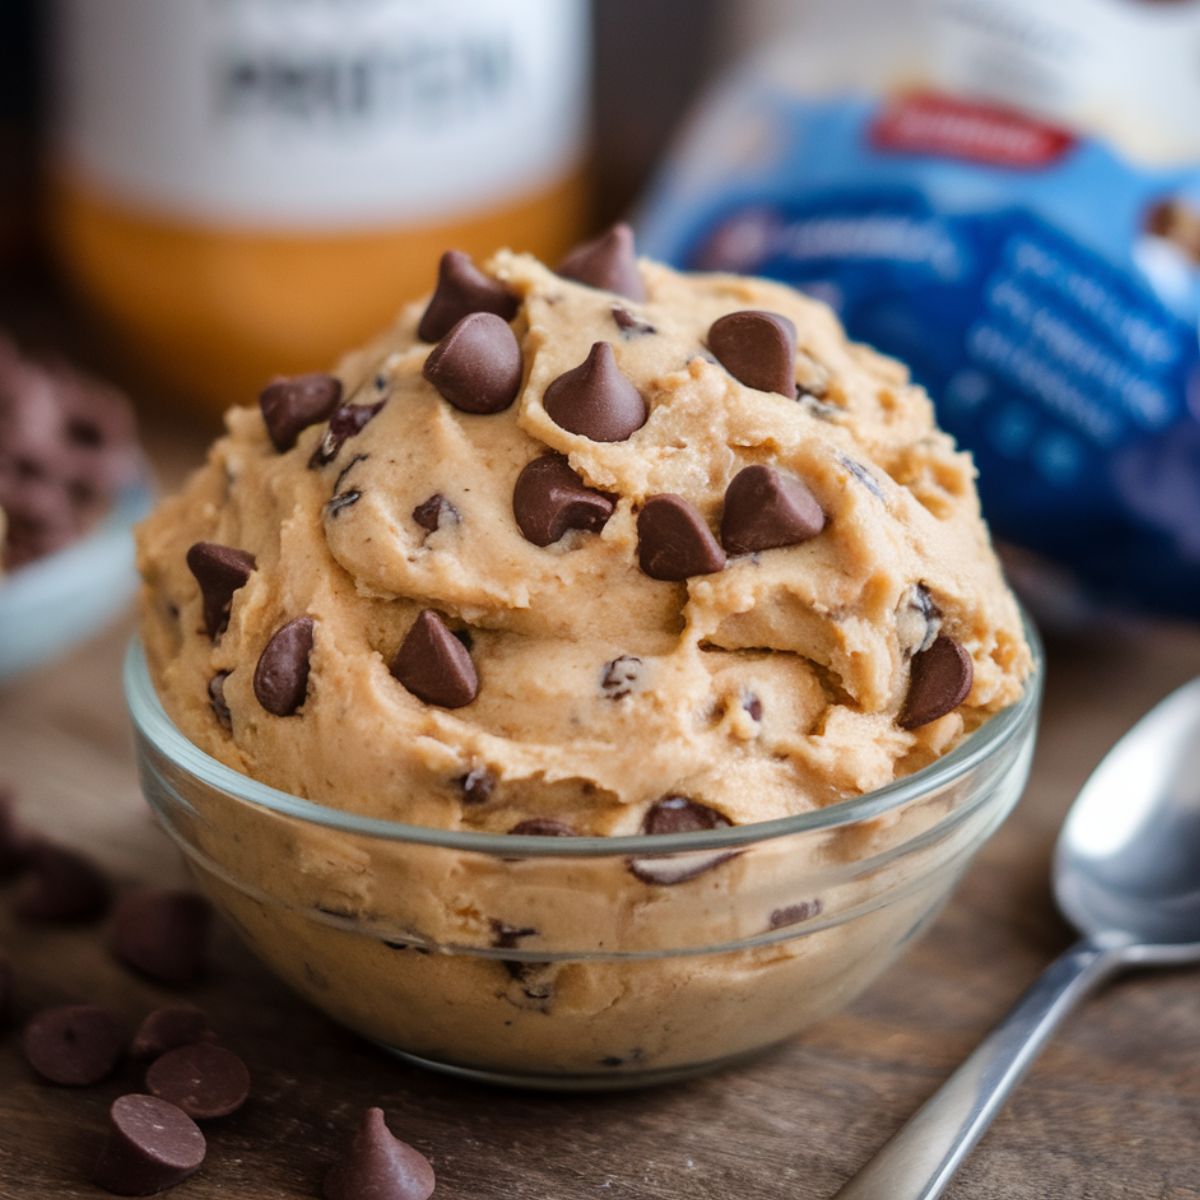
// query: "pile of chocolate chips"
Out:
[154,1140]
[68,444]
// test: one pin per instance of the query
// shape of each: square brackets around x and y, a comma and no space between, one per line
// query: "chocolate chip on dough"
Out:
[476,367]
[216,699]
[434,665]
[435,512]
[596,399]
[681,814]
[151,1146]
[380,1166]
[202,1080]
[289,406]
[766,508]
[281,676]
[542,827]
[477,785]
[463,288]
[61,886]
[347,421]
[621,677]
[863,476]
[220,571]
[629,324]
[550,498]
[678,814]
[163,934]
[342,500]
[75,1045]
[752,705]
[940,681]
[674,540]
[757,349]
[509,937]
[793,914]
[607,262]
[918,620]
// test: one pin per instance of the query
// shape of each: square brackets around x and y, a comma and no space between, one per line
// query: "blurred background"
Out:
[197,196]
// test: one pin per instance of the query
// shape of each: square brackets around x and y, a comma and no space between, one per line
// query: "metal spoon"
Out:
[1127,875]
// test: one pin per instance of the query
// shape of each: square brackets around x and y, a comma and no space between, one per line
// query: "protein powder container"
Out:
[244,187]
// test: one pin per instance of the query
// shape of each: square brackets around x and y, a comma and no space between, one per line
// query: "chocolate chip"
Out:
[220,571]
[596,399]
[341,475]
[508,937]
[678,814]
[75,1045]
[289,406]
[757,349]
[674,540]
[753,705]
[766,508]
[347,421]
[380,1166]
[681,814]
[281,677]
[342,501]
[536,980]
[621,677]
[940,681]
[151,1146]
[793,914]
[169,1028]
[8,987]
[163,934]
[202,1080]
[626,322]
[918,620]
[463,288]
[549,498]
[435,512]
[863,476]
[477,365]
[434,665]
[542,827]
[216,699]
[61,886]
[607,262]
[477,785]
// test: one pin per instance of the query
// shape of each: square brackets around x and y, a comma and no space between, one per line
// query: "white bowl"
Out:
[50,605]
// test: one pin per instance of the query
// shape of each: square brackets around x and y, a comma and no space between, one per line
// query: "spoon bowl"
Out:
[1128,858]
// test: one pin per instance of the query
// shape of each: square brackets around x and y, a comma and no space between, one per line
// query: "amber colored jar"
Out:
[248,187]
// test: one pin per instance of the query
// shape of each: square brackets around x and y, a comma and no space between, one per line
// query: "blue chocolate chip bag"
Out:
[1013,209]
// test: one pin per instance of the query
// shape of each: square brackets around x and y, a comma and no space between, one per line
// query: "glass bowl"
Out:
[574,962]
[52,604]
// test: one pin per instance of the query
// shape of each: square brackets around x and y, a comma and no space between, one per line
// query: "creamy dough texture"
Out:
[773,686]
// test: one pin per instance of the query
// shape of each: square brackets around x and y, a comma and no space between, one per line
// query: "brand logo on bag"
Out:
[945,127]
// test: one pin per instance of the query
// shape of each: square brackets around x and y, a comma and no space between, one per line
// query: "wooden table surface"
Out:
[1111,1110]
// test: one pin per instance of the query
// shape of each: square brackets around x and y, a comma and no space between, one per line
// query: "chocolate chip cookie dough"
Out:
[594,551]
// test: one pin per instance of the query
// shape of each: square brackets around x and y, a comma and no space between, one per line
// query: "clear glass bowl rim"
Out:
[152,723]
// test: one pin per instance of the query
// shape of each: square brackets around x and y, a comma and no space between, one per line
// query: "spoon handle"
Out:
[921,1159]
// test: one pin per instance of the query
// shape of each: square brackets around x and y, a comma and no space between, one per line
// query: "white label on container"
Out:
[320,113]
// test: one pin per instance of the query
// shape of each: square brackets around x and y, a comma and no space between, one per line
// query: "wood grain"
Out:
[1112,1111]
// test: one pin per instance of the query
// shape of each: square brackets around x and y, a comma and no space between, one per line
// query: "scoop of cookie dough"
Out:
[593,560]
